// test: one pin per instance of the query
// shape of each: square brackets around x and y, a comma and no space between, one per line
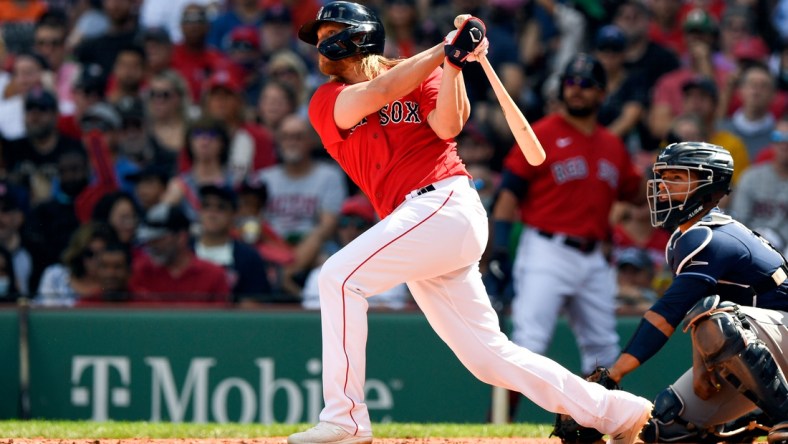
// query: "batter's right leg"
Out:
[457,307]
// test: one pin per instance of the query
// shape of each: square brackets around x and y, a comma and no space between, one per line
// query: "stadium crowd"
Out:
[159,151]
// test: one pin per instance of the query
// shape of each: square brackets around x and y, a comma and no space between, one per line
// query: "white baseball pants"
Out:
[433,242]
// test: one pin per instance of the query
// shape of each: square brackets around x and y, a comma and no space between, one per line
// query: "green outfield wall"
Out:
[254,366]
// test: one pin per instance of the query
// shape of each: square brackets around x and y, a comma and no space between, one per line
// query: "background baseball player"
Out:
[390,124]
[730,289]
[565,204]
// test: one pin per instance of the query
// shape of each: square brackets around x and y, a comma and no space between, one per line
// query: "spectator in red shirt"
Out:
[193,58]
[170,272]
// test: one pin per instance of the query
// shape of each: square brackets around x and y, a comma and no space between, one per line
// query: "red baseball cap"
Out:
[751,48]
[225,80]
[245,34]
[359,206]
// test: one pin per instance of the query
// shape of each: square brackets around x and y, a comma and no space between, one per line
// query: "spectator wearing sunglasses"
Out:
[167,105]
[760,199]
[207,149]
[355,217]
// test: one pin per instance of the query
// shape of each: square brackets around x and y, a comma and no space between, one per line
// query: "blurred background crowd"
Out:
[159,151]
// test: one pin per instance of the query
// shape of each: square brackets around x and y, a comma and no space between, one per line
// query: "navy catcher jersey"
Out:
[730,259]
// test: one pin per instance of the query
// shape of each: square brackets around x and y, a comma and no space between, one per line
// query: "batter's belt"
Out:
[578,243]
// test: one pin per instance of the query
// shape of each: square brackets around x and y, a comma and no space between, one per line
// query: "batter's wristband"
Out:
[502,232]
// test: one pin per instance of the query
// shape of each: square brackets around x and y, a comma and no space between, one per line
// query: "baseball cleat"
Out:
[630,435]
[327,433]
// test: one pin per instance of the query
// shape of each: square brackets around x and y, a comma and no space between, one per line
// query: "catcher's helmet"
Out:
[586,67]
[710,169]
[364,34]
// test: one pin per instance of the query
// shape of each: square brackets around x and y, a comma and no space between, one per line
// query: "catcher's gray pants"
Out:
[771,327]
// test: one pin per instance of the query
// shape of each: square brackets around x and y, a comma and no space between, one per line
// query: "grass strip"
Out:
[120,429]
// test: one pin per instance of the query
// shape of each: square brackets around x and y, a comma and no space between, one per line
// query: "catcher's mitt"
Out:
[568,429]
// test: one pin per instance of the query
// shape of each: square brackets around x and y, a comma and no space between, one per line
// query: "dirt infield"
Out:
[280,440]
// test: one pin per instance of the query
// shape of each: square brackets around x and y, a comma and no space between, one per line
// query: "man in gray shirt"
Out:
[760,199]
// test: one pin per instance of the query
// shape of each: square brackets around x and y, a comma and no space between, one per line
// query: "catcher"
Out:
[730,293]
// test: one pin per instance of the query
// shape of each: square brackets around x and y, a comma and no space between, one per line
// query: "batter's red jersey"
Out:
[390,152]
[583,175]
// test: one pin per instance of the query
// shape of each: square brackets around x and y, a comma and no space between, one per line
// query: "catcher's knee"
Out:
[726,342]
[666,424]
[719,338]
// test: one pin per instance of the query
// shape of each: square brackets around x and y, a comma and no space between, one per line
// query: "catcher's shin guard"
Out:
[666,424]
[727,344]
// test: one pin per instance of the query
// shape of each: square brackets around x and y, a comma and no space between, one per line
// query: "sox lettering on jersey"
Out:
[397,112]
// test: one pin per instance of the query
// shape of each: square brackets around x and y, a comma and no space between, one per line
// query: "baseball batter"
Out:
[564,204]
[731,292]
[390,125]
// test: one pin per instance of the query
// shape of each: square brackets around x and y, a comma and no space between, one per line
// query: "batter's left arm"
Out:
[452,107]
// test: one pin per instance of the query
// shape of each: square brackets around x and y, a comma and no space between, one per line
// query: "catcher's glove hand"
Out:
[568,430]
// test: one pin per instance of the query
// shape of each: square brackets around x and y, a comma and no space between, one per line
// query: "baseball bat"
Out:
[521,129]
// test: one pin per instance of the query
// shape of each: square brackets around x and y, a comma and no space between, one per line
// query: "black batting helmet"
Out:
[364,34]
[585,67]
[710,169]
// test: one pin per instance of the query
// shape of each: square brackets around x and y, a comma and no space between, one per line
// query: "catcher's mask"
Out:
[709,169]
[364,33]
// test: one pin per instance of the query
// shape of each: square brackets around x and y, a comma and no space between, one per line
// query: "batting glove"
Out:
[461,43]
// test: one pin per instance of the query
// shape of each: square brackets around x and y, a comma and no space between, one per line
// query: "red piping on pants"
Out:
[344,323]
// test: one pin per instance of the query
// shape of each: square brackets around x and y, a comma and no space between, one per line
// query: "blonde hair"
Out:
[374,65]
